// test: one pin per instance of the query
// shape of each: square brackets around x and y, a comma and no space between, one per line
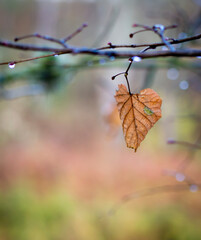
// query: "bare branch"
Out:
[186,144]
[29,47]
[116,54]
[74,33]
[102,51]
[159,29]
[44,37]
[62,41]
[153,45]
[28,59]
[155,190]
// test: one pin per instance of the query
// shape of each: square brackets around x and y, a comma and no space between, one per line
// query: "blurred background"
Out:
[65,170]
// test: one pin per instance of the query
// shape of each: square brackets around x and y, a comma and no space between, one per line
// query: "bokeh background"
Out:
[65,171]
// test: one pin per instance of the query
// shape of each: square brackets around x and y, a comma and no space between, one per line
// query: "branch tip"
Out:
[85,25]
[171,141]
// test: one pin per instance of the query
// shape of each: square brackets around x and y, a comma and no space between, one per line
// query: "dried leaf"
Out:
[138,113]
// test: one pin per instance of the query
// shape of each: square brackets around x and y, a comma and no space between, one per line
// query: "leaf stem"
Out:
[128,84]
[126,75]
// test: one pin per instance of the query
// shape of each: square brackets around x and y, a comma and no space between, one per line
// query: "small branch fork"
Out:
[159,29]
[125,75]
[106,51]
[135,59]
[152,45]
[62,41]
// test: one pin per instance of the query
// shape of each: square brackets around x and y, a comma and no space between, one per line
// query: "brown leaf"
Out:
[138,113]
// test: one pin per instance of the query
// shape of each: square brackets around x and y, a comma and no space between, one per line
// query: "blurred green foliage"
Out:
[55,216]
[25,215]
[47,72]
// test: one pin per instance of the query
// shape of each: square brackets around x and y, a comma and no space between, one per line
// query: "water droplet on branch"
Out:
[11,65]
[112,58]
[136,59]
[159,27]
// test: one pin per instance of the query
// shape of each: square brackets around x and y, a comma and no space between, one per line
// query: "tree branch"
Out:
[153,45]
[29,47]
[118,54]
[155,190]
[103,51]
[62,41]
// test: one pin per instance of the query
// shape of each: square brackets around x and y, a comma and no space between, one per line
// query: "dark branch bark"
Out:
[106,51]
[29,47]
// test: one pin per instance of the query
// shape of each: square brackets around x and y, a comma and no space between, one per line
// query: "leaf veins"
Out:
[138,113]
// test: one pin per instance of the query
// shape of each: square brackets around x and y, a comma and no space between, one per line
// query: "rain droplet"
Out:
[112,58]
[183,85]
[56,55]
[164,48]
[199,57]
[159,26]
[172,73]
[180,177]
[193,188]
[102,61]
[137,59]
[11,65]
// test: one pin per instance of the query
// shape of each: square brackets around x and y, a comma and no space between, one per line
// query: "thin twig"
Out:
[128,68]
[28,59]
[118,54]
[131,35]
[29,47]
[44,37]
[100,52]
[152,45]
[125,75]
[153,191]
[186,144]
[159,29]
[62,41]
